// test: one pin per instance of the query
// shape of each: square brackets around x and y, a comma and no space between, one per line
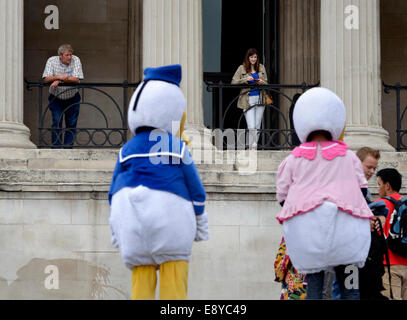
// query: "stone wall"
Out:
[55,219]
[54,226]
[69,231]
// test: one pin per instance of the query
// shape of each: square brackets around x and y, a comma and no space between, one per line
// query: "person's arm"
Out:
[262,75]
[239,77]
[58,77]
[198,195]
[55,80]
[284,181]
[77,74]
[49,75]
[71,79]
[194,183]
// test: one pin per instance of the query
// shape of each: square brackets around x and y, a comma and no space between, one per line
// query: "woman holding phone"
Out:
[251,72]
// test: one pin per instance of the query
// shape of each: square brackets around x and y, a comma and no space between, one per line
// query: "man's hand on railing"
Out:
[55,84]
[53,79]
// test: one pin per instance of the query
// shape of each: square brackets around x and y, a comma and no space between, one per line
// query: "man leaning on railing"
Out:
[64,68]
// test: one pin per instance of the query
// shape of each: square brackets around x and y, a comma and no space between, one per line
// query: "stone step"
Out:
[91,170]
[98,159]
[55,180]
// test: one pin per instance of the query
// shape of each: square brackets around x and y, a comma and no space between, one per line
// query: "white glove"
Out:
[202,232]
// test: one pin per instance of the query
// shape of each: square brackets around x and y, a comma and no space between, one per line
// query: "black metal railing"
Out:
[277,131]
[96,131]
[401,131]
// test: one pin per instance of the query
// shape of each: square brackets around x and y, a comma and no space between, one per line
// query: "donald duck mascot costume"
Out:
[156,197]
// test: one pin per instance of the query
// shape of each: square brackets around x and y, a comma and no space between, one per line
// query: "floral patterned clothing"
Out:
[293,284]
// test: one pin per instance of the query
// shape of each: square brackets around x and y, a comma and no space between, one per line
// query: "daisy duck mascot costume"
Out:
[156,195]
[321,187]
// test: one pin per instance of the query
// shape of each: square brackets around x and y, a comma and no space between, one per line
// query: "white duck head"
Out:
[319,109]
[158,101]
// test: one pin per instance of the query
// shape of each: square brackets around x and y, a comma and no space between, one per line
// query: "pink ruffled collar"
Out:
[330,149]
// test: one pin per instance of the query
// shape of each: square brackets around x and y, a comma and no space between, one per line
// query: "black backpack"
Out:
[397,238]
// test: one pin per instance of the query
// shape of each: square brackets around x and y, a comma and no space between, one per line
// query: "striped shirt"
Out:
[54,67]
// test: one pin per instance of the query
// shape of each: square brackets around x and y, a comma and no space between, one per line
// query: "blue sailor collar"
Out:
[152,143]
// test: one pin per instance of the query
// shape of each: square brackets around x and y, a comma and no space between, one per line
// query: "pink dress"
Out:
[325,216]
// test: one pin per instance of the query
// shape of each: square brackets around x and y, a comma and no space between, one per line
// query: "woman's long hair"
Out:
[246,61]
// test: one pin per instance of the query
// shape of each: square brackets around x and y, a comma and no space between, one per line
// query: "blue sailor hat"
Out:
[171,73]
[158,101]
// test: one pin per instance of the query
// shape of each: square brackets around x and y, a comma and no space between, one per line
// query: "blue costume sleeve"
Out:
[115,173]
[194,184]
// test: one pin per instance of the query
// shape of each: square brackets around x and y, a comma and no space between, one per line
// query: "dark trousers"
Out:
[60,108]
[370,276]
[316,285]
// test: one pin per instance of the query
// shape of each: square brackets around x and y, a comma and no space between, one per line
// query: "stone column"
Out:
[299,45]
[172,33]
[135,14]
[13,133]
[299,41]
[350,66]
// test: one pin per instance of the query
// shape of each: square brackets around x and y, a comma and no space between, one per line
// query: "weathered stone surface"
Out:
[54,212]
[91,170]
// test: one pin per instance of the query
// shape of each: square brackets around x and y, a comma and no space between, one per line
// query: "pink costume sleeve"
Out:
[359,171]
[284,179]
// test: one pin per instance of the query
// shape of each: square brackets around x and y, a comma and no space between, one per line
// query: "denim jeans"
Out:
[316,284]
[253,117]
[59,108]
